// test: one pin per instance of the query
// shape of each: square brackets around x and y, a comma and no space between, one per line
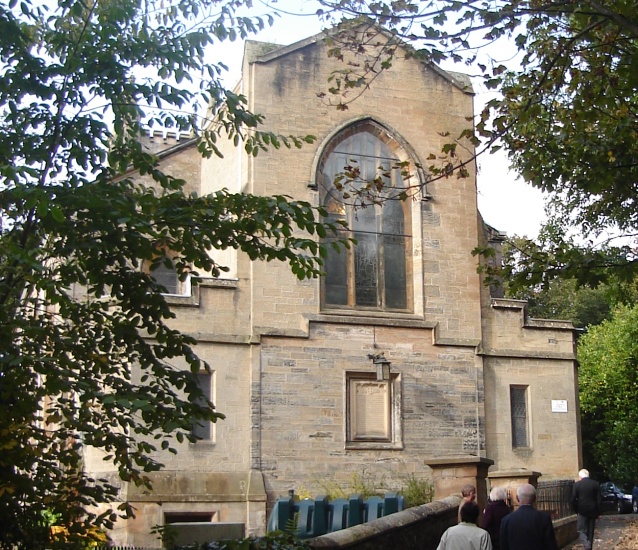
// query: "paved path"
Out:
[615,531]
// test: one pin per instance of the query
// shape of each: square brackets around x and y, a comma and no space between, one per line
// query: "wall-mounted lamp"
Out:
[383,366]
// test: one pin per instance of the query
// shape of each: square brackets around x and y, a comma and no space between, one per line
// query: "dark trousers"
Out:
[585,527]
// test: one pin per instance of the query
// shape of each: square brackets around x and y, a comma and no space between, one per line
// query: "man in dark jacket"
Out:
[527,528]
[586,503]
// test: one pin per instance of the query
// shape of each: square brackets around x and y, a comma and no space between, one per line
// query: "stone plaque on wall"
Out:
[370,410]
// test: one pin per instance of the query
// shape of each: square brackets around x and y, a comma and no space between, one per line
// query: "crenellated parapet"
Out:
[160,140]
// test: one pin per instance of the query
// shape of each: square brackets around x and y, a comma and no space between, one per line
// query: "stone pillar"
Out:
[511,479]
[450,474]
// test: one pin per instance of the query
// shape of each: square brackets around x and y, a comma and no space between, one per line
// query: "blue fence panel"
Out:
[374,508]
[311,518]
[338,512]
[355,510]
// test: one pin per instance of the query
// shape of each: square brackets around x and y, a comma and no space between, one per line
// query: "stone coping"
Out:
[454,461]
[497,474]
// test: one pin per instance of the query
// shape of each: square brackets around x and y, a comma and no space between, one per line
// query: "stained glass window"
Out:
[375,272]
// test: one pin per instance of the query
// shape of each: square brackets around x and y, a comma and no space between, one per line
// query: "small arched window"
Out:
[167,278]
[374,273]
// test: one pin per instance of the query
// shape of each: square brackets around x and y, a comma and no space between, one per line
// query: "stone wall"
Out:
[281,360]
[419,528]
[419,105]
[303,406]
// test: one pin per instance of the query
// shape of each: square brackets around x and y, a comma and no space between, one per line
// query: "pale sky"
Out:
[506,203]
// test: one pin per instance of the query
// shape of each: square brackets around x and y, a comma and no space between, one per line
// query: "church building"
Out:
[400,357]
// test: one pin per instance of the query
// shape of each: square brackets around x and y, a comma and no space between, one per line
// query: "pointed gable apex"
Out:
[264,52]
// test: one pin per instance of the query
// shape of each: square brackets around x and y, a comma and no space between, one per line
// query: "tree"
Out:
[608,378]
[80,238]
[560,298]
[567,113]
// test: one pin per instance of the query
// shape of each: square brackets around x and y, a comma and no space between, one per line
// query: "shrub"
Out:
[417,491]
[360,484]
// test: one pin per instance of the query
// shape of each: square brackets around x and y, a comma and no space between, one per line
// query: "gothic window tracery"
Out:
[375,272]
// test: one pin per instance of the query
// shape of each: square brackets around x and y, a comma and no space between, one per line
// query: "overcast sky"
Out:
[506,203]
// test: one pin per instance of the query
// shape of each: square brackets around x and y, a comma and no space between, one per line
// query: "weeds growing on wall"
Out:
[359,484]
[417,491]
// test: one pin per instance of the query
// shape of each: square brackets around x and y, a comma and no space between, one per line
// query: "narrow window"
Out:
[518,403]
[201,429]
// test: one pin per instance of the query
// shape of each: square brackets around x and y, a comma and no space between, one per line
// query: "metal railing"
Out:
[555,497]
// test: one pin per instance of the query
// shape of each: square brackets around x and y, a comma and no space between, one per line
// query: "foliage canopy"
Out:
[563,298]
[80,237]
[566,113]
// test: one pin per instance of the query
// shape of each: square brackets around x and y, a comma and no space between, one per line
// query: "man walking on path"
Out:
[527,528]
[586,503]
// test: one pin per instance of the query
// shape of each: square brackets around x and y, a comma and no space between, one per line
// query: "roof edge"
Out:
[273,51]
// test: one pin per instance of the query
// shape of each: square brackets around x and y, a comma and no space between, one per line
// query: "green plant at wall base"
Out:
[363,484]
[166,533]
[302,493]
[332,489]
[292,523]
[417,491]
[360,484]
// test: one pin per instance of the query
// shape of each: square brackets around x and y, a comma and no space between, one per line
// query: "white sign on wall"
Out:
[559,405]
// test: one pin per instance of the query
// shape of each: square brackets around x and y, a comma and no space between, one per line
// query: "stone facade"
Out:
[284,361]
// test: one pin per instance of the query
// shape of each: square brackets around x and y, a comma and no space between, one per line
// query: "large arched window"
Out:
[374,273]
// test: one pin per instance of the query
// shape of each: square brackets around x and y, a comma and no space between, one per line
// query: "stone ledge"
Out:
[381,319]
[214,338]
[191,300]
[220,283]
[520,354]
[174,486]
[565,530]
[553,324]
[459,460]
[499,474]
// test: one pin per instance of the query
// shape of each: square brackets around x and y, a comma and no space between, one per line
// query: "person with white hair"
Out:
[527,528]
[586,503]
[494,513]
